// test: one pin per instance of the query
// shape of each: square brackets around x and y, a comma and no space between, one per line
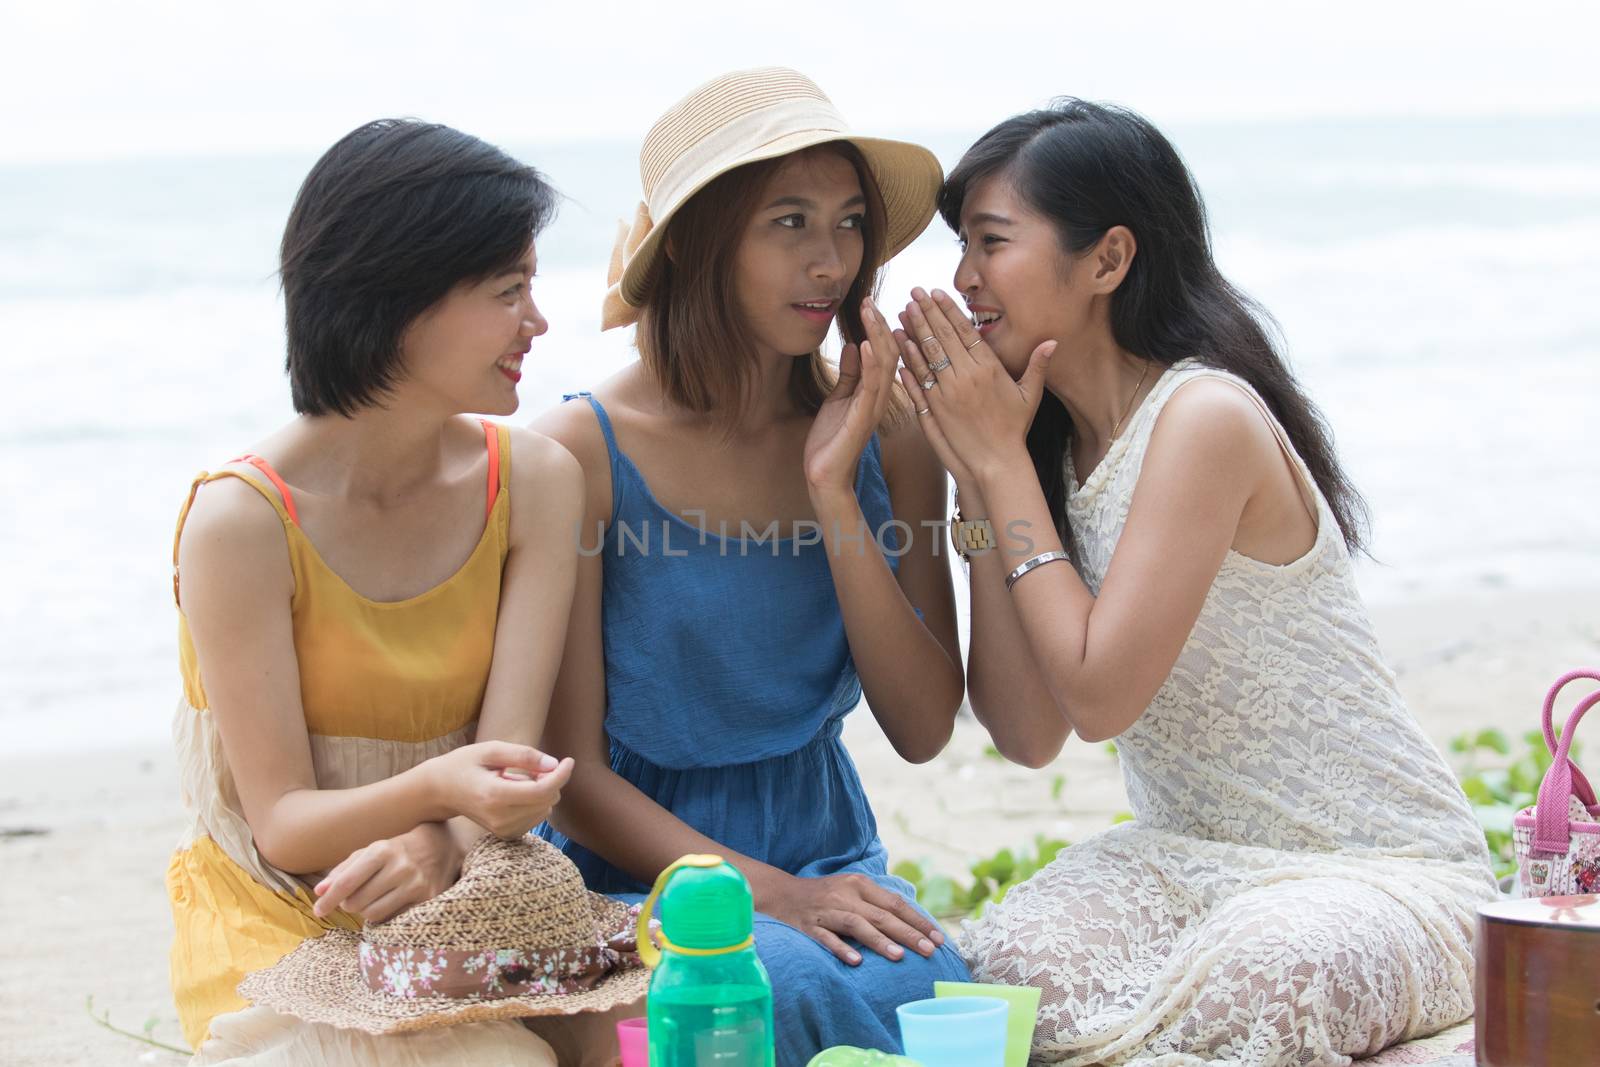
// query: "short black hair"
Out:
[389,220]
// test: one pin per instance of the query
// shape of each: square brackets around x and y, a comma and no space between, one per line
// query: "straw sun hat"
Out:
[516,935]
[740,118]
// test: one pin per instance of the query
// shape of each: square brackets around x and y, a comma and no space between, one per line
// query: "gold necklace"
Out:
[1129,409]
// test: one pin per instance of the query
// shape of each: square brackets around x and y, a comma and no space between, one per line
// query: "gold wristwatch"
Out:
[970,535]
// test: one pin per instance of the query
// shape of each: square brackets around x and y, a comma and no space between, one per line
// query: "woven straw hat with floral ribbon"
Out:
[516,935]
[740,118]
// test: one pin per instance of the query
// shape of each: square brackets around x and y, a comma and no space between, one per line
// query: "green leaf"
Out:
[911,872]
[1477,791]
[1524,776]
[1048,848]
[1498,779]
[940,896]
[1111,748]
[998,867]
[1055,786]
[1493,739]
[990,752]
[1121,817]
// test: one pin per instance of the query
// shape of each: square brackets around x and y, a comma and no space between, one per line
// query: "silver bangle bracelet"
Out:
[1029,564]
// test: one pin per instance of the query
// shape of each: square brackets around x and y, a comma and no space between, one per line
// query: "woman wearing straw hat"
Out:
[364,595]
[754,552]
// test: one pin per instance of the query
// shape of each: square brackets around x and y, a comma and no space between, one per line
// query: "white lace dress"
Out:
[1299,883]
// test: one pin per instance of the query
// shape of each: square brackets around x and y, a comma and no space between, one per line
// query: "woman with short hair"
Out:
[372,599]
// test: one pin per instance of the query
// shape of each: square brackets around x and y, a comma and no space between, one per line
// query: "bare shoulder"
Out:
[542,465]
[1213,422]
[230,510]
[232,532]
[576,425]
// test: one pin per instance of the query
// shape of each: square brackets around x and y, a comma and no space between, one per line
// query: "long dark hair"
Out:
[1088,167]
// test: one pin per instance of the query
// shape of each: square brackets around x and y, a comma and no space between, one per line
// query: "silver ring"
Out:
[939,366]
[928,383]
[975,343]
[926,339]
[923,411]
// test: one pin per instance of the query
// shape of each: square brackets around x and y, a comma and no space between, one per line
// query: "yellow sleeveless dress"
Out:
[385,686]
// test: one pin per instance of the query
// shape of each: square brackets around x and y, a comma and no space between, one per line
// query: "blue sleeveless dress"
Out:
[728,678]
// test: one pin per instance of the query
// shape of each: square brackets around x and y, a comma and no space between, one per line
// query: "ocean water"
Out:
[1434,281]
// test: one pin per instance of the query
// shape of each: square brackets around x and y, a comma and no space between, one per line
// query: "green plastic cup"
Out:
[1022,1011]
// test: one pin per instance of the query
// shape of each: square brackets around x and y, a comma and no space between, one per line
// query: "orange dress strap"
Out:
[491,435]
[272,476]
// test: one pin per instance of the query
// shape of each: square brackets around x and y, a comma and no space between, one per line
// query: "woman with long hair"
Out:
[1171,567]
[752,554]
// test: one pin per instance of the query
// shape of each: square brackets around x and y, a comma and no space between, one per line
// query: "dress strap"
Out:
[614,455]
[491,435]
[272,476]
[604,419]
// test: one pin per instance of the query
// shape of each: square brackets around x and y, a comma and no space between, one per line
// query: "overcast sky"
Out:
[131,77]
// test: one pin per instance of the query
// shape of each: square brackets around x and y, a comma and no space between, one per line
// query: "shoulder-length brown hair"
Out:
[690,335]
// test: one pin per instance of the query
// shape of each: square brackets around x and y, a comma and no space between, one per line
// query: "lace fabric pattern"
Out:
[1300,882]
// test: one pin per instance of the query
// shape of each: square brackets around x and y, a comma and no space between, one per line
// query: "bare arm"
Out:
[1005,686]
[910,668]
[911,672]
[1104,658]
[547,499]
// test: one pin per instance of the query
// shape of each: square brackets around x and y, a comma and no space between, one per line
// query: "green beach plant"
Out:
[993,876]
[103,1019]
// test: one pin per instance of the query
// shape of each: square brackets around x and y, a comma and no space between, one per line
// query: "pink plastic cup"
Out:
[633,1043]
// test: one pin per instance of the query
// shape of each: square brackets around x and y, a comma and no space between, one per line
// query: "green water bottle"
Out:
[710,1002]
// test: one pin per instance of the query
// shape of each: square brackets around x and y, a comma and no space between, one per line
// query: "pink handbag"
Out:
[1557,841]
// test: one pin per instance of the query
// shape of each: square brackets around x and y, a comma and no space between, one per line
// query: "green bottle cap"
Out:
[706,905]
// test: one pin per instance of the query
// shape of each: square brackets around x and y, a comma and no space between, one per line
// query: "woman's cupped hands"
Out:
[973,413]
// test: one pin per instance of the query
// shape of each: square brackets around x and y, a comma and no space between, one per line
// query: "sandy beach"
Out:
[84,839]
